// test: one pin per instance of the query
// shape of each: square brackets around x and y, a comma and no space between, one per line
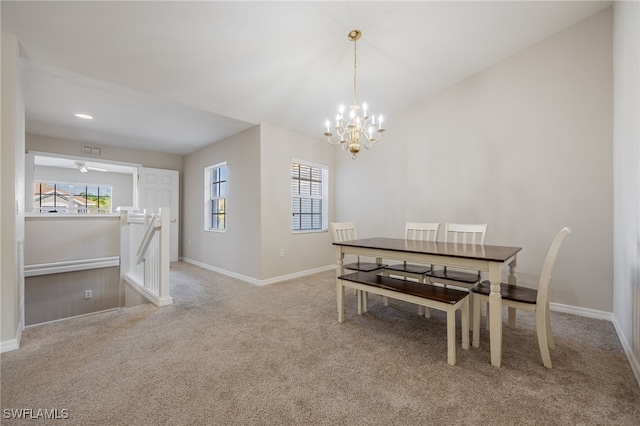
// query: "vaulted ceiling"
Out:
[176,76]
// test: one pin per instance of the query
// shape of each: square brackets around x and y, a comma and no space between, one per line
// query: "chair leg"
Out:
[465,317]
[488,324]
[476,321]
[550,340]
[385,299]
[471,309]
[541,329]
[426,311]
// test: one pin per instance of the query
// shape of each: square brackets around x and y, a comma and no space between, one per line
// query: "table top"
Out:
[469,251]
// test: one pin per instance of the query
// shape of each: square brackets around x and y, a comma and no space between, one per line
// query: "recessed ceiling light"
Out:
[85,116]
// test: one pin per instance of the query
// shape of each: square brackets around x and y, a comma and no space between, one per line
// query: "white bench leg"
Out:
[451,336]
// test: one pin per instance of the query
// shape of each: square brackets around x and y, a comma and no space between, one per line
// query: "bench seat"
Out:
[436,297]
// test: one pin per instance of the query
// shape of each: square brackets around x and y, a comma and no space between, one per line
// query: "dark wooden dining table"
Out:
[487,258]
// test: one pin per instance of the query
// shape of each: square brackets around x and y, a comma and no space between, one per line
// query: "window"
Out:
[215,184]
[54,197]
[309,188]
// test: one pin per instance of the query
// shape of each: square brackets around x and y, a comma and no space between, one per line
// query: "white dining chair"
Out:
[421,232]
[459,233]
[346,231]
[529,299]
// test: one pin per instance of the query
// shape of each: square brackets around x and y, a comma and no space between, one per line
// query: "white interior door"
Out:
[160,188]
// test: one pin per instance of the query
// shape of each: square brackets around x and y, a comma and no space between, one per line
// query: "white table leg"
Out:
[339,287]
[495,315]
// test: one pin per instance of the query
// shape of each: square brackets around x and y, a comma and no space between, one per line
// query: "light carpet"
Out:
[231,353]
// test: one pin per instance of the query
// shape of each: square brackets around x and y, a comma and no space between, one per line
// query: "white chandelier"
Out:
[355,131]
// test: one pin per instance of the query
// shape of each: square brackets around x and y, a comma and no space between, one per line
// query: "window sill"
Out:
[72,215]
[309,231]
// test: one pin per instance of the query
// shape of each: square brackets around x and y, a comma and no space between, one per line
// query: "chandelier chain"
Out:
[355,66]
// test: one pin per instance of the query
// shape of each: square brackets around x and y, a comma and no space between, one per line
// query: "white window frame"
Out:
[324,197]
[208,198]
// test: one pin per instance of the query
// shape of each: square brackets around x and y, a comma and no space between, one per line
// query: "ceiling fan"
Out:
[82,166]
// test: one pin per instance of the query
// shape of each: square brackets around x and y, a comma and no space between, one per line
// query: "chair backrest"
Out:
[343,231]
[421,231]
[547,267]
[465,233]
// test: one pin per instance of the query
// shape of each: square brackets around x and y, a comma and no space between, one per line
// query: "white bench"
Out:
[430,296]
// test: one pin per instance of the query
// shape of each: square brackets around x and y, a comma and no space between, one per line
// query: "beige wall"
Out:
[525,146]
[236,250]
[57,239]
[61,238]
[303,252]
[259,207]
[57,296]
[11,188]
[626,160]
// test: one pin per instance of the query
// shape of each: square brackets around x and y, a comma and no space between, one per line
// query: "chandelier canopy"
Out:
[357,129]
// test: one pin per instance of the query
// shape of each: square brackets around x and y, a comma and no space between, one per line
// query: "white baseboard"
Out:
[13,344]
[633,360]
[255,281]
[73,317]
[9,345]
[582,312]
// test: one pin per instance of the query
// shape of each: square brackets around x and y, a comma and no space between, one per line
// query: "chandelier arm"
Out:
[328,135]
[373,140]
